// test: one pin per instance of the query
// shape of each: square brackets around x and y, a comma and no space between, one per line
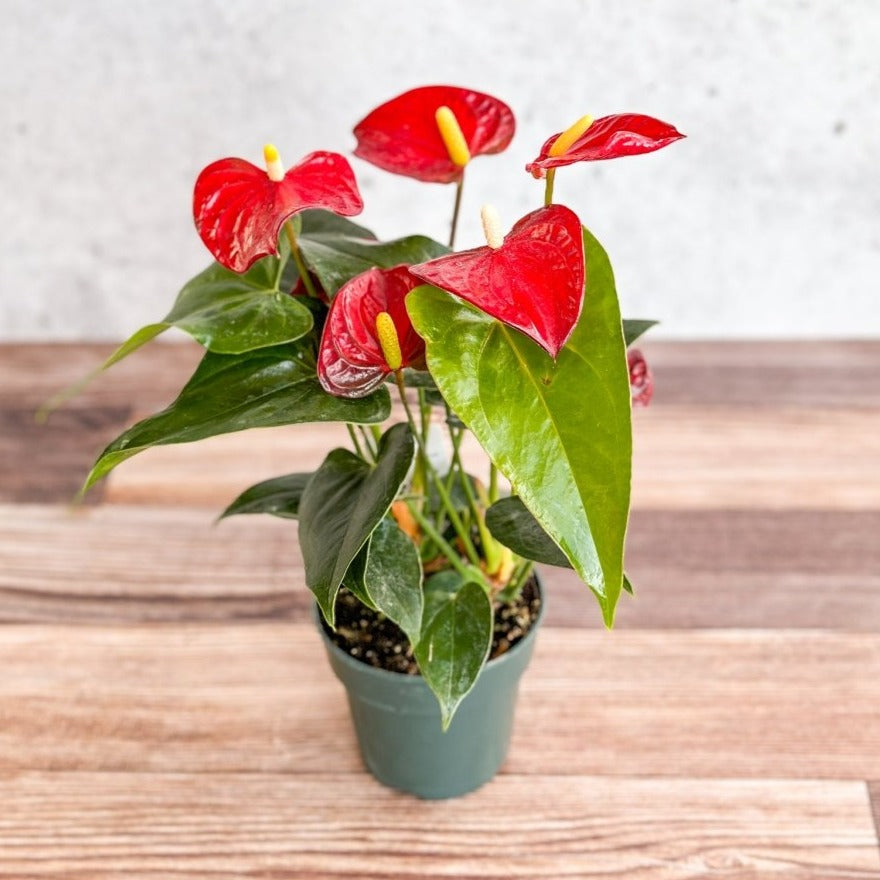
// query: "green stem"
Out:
[548,187]
[354,440]
[458,188]
[430,472]
[448,551]
[517,582]
[296,253]
[493,483]
[370,443]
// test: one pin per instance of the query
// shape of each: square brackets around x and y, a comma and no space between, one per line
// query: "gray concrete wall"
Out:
[765,222]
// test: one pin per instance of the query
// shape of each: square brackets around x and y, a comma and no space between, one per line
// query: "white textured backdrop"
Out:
[764,222]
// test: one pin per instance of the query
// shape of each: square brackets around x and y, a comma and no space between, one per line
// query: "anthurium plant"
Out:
[306,317]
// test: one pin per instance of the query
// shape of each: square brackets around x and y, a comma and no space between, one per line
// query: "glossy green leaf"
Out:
[514,526]
[511,523]
[279,496]
[354,578]
[336,258]
[455,639]
[260,389]
[341,506]
[231,314]
[633,328]
[317,224]
[560,432]
[393,577]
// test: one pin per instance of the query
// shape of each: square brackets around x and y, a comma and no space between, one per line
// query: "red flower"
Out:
[641,379]
[239,208]
[533,280]
[607,138]
[403,135]
[352,360]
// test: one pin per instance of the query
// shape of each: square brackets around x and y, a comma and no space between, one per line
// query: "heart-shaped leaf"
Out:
[534,281]
[260,389]
[279,496]
[392,577]
[337,257]
[514,526]
[511,523]
[455,638]
[341,506]
[560,432]
[231,314]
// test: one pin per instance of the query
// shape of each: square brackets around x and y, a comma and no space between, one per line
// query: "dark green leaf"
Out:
[335,258]
[455,639]
[260,389]
[230,313]
[560,432]
[279,496]
[393,577]
[514,526]
[317,224]
[354,577]
[341,505]
[633,328]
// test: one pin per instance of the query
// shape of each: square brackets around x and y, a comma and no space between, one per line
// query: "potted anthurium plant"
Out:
[422,572]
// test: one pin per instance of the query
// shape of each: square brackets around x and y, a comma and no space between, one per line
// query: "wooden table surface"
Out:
[165,710]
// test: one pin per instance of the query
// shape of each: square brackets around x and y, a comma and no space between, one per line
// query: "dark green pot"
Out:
[397,721]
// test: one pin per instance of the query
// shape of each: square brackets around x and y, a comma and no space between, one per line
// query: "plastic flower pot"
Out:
[397,721]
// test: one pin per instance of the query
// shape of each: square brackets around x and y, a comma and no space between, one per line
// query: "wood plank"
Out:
[686,457]
[808,373]
[330,827]
[31,373]
[718,569]
[874,794]
[217,698]
[42,463]
[803,373]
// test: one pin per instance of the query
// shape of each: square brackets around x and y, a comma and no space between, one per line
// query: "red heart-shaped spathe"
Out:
[625,134]
[239,210]
[351,362]
[534,281]
[402,136]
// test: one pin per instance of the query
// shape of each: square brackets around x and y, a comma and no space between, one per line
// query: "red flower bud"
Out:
[641,379]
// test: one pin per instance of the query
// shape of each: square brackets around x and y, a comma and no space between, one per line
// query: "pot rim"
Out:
[376,672]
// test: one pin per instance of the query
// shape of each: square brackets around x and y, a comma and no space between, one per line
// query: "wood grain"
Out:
[215,697]
[117,563]
[686,457]
[165,709]
[333,827]
[807,373]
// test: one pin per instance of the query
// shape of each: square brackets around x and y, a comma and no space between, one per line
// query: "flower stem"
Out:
[296,253]
[548,187]
[354,440]
[428,528]
[370,443]
[435,478]
[458,188]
